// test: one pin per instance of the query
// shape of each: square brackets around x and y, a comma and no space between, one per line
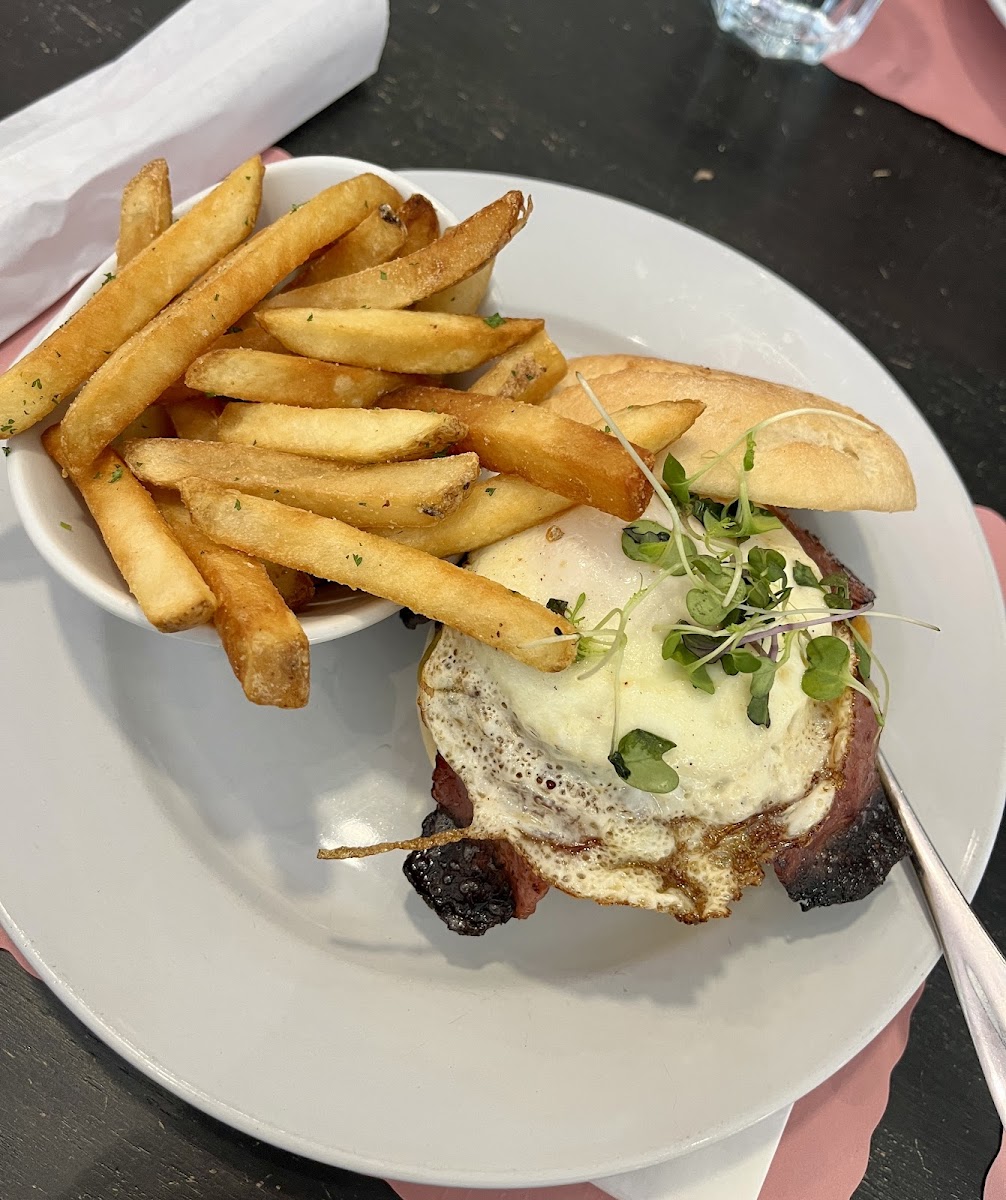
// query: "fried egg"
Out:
[532,748]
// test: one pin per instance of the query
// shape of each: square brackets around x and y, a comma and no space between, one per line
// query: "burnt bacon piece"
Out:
[471,885]
[853,849]
[463,882]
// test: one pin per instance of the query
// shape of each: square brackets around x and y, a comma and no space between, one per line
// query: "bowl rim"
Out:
[115,598]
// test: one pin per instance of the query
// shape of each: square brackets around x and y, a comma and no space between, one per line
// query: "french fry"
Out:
[145,211]
[557,454]
[528,372]
[422,224]
[162,351]
[459,253]
[412,343]
[268,378]
[247,334]
[167,587]
[94,336]
[153,422]
[385,496]
[296,588]
[195,419]
[347,435]
[463,297]
[321,546]
[376,239]
[506,504]
[265,643]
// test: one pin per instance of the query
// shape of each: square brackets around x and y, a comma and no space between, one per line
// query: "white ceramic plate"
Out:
[157,863]
[56,518]
[999,8]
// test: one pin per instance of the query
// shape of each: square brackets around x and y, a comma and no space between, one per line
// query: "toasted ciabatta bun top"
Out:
[810,461]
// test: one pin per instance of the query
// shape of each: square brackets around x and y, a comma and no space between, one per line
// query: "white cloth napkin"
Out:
[733,1169]
[216,82]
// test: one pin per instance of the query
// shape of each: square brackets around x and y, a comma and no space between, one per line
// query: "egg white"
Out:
[532,748]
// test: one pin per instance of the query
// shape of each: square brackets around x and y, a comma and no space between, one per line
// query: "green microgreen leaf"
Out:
[749,450]
[769,565]
[676,481]
[676,649]
[827,674]
[494,321]
[803,576]
[639,760]
[704,608]
[761,684]
[645,541]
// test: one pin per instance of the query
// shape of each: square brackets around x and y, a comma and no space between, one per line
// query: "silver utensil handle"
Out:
[976,966]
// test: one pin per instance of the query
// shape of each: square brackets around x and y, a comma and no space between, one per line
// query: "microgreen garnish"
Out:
[358,558]
[6,451]
[639,760]
[37,383]
[237,504]
[490,491]
[494,321]
[384,276]
[310,316]
[109,276]
[116,474]
[739,612]
[66,525]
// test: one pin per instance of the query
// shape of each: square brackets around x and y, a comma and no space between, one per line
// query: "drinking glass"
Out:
[802,29]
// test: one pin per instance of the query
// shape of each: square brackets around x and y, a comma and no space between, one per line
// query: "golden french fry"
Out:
[412,343]
[376,239]
[247,334]
[268,378]
[175,392]
[348,435]
[321,546]
[153,422]
[92,337]
[506,504]
[557,454]
[383,496]
[145,211]
[463,297]
[161,352]
[459,253]
[168,589]
[265,644]
[195,419]
[421,222]
[296,587]
[528,372]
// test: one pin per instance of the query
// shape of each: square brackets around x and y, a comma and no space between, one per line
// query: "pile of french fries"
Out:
[248,413]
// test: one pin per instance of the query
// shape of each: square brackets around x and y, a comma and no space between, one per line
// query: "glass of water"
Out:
[802,29]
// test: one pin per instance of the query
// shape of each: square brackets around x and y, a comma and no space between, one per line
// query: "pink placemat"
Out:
[945,59]
[825,1147]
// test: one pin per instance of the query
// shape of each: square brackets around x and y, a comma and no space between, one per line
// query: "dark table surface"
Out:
[890,222]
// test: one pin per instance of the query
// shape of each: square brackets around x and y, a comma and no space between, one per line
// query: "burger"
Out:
[722,716]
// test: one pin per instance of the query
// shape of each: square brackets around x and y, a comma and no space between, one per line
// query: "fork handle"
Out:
[976,966]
